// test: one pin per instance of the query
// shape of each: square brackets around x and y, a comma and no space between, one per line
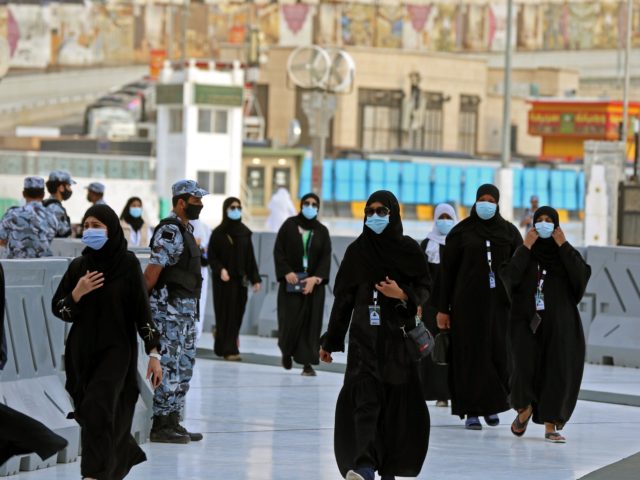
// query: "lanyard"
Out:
[489,255]
[375,298]
[541,278]
[305,254]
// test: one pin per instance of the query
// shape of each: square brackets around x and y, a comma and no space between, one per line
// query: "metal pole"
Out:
[183,41]
[625,101]
[170,33]
[318,146]
[506,105]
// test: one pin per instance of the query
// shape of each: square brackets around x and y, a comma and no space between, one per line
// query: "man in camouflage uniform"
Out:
[174,282]
[59,187]
[27,231]
[95,193]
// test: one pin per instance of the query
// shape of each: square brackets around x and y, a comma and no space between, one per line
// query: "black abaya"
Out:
[300,316]
[230,248]
[434,378]
[381,419]
[101,352]
[547,365]
[479,368]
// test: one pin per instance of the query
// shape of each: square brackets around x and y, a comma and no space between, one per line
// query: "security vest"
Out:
[184,279]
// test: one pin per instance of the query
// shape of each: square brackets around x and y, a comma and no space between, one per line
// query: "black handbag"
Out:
[419,340]
[297,287]
[441,349]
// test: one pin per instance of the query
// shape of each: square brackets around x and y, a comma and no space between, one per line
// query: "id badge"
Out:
[305,263]
[492,280]
[539,301]
[535,323]
[374,315]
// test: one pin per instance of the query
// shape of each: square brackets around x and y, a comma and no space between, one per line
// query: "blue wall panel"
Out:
[440,184]
[423,194]
[327,180]
[471,183]
[359,179]
[376,176]
[454,190]
[392,178]
[517,188]
[343,180]
[408,183]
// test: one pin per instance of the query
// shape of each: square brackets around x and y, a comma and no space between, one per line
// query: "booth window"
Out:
[213,182]
[380,118]
[468,123]
[175,120]
[212,121]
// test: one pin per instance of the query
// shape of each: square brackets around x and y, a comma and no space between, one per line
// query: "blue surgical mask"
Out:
[135,212]
[234,214]
[545,229]
[444,225]
[309,212]
[486,210]
[94,238]
[377,223]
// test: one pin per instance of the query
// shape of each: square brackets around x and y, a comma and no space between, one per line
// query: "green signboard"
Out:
[171,94]
[218,95]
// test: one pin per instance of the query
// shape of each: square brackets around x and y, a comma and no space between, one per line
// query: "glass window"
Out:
[380,115]
[468,123]
[204,120]
[175,120]
[433,121]
[219,183]
[221,121]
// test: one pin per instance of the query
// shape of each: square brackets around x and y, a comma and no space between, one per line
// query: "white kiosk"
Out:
[199,132]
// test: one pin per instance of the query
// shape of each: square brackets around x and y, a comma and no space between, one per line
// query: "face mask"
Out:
[486,210]
[309,212]
[94,238]
[193,211]
[66,194]
[234,214]
[444,225]
[545,229]
[135,212]
[88,198]
[376,223]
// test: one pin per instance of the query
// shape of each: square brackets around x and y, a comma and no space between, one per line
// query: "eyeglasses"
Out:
[380,211]
[236,208]
[310,204]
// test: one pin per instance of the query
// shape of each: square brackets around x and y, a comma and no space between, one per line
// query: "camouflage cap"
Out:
[190,187]
[34,182]
[61,176]
[96,187]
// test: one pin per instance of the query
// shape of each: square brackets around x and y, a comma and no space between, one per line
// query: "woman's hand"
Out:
[154,372]
[325,356]
[558,236]
[443,320]
[389,288]
[256,287]
[291,278]
[224,275]
[530,238]
[309,284]
[87,283]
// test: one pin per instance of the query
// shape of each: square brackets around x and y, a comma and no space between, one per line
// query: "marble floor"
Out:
[264,423]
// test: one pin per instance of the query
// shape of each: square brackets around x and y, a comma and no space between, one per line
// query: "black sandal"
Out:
[518,425]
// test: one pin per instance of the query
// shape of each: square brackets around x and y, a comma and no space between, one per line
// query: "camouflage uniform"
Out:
[176,321]
[60,213]
[28,231]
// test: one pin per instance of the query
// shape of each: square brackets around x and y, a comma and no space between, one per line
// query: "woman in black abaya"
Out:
[302,249]
[474,307]
[233,263]
[103,295]
[546,279]
[382,422]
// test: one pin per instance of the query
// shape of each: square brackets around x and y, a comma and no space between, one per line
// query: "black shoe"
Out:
[308,371]
[175,423]
[287,363]
[162,431]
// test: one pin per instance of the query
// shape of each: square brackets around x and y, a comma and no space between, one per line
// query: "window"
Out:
[175,120]
[433,119]
[212,121]
[468,123]
[380,118]
[213,182]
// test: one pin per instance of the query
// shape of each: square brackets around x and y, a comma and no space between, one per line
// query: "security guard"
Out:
[27,231]
[174,282]
[95,193]
[59,186]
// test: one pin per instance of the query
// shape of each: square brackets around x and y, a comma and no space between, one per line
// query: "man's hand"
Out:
[325,356]
[154,372]
[443,320]
[530,238]
[151,275]
[89,282]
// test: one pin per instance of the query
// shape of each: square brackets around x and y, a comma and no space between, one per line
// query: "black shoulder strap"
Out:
[49,201]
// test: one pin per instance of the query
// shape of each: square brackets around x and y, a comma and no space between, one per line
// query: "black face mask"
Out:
[66,194]
[89,199]
[193,211]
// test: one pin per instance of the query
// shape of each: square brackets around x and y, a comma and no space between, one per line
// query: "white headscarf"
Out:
[433,247]
[281,208]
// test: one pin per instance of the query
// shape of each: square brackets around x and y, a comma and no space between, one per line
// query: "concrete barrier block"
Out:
[614,340]
[10,467]
[268,319]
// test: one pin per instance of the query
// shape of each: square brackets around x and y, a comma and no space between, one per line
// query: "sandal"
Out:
[518,425]
[554,437]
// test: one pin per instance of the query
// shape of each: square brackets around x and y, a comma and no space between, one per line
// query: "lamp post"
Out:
[505,178]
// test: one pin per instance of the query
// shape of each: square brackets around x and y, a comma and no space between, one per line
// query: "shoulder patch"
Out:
[168,234]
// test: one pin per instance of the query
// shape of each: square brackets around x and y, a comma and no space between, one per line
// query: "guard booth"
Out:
[264,170]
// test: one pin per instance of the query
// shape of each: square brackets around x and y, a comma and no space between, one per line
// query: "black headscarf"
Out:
[545,250]
[110,259]
[303,221]
[234,228]
[136,223]
[389,253]
[496,229]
